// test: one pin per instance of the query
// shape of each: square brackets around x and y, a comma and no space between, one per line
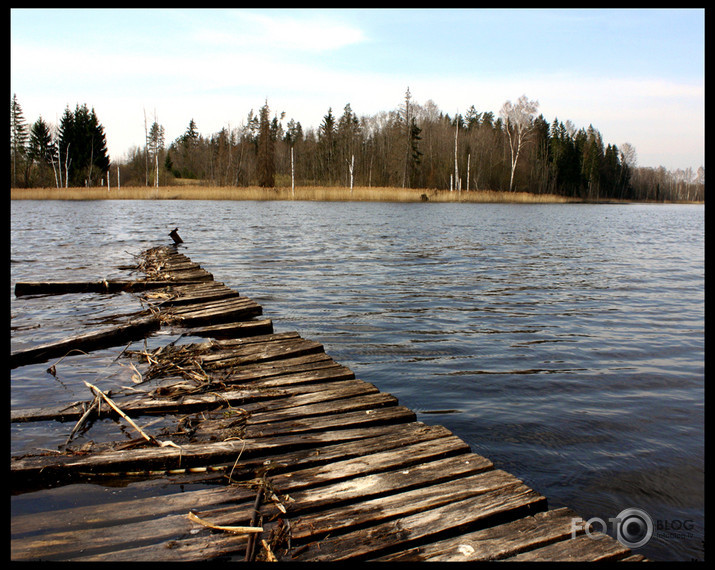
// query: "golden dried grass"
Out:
[303,193]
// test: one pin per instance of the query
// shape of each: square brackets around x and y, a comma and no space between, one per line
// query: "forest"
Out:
[412,146]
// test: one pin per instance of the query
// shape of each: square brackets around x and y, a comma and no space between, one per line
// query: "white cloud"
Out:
[310,31]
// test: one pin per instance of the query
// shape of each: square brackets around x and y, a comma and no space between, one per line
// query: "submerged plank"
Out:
[346,427]
[133,330]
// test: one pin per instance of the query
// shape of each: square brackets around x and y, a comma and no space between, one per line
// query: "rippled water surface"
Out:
[564,342]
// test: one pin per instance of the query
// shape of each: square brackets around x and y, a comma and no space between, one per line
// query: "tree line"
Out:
[413,146]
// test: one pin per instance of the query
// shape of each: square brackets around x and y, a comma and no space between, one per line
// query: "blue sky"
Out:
[638,75]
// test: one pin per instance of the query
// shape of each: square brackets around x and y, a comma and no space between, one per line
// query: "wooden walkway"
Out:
[265,432]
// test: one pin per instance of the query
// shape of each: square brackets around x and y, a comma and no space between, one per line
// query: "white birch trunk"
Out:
[352,165]
[292,173]
[67,166]
[469,157]
[456,171]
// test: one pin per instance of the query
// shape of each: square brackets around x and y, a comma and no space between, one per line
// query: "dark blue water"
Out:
[564,342]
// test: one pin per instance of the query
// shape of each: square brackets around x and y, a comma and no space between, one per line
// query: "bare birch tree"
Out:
[518,124]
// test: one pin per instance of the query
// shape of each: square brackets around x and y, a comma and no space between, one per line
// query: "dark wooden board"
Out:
[94,340]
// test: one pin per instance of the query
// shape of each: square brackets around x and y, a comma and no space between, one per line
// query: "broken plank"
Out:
[93,340]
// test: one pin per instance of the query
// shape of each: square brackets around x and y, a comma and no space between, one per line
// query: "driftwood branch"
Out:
[110,402]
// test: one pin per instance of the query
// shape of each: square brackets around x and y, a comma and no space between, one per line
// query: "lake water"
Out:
[563,342]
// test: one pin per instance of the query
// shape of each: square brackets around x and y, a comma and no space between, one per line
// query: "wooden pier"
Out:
[259,446]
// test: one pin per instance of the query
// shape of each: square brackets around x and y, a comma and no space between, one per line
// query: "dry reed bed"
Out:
[307,193]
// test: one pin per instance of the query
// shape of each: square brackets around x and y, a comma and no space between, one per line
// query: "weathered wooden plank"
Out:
[288,419]
[94,340]
[24,288]
[234,329]
[234,343]
[376,416]
[214,305]
[68,545]
[188,275]
[374,440]
[339,519]
[96,516]
[194,549]
[458,516]
[494,543]
[596,547]
[264,398]
[163,298]
[243,309]
[322,431]
[259,353]
[381,483]
[287,366]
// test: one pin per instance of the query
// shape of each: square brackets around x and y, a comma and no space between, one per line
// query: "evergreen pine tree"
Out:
[18,137]
[266,150]
[83,147]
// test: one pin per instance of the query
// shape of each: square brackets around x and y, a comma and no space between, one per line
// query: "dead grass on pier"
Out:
[302,193]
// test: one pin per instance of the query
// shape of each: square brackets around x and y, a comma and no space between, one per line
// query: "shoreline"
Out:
[306,193]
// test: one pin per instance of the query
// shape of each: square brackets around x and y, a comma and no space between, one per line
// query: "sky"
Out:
[636,75]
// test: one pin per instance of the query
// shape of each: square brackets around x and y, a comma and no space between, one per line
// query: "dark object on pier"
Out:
[175,236]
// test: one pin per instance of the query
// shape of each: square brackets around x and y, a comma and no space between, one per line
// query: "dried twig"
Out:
[234,529]
[251,548]
[83,419]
